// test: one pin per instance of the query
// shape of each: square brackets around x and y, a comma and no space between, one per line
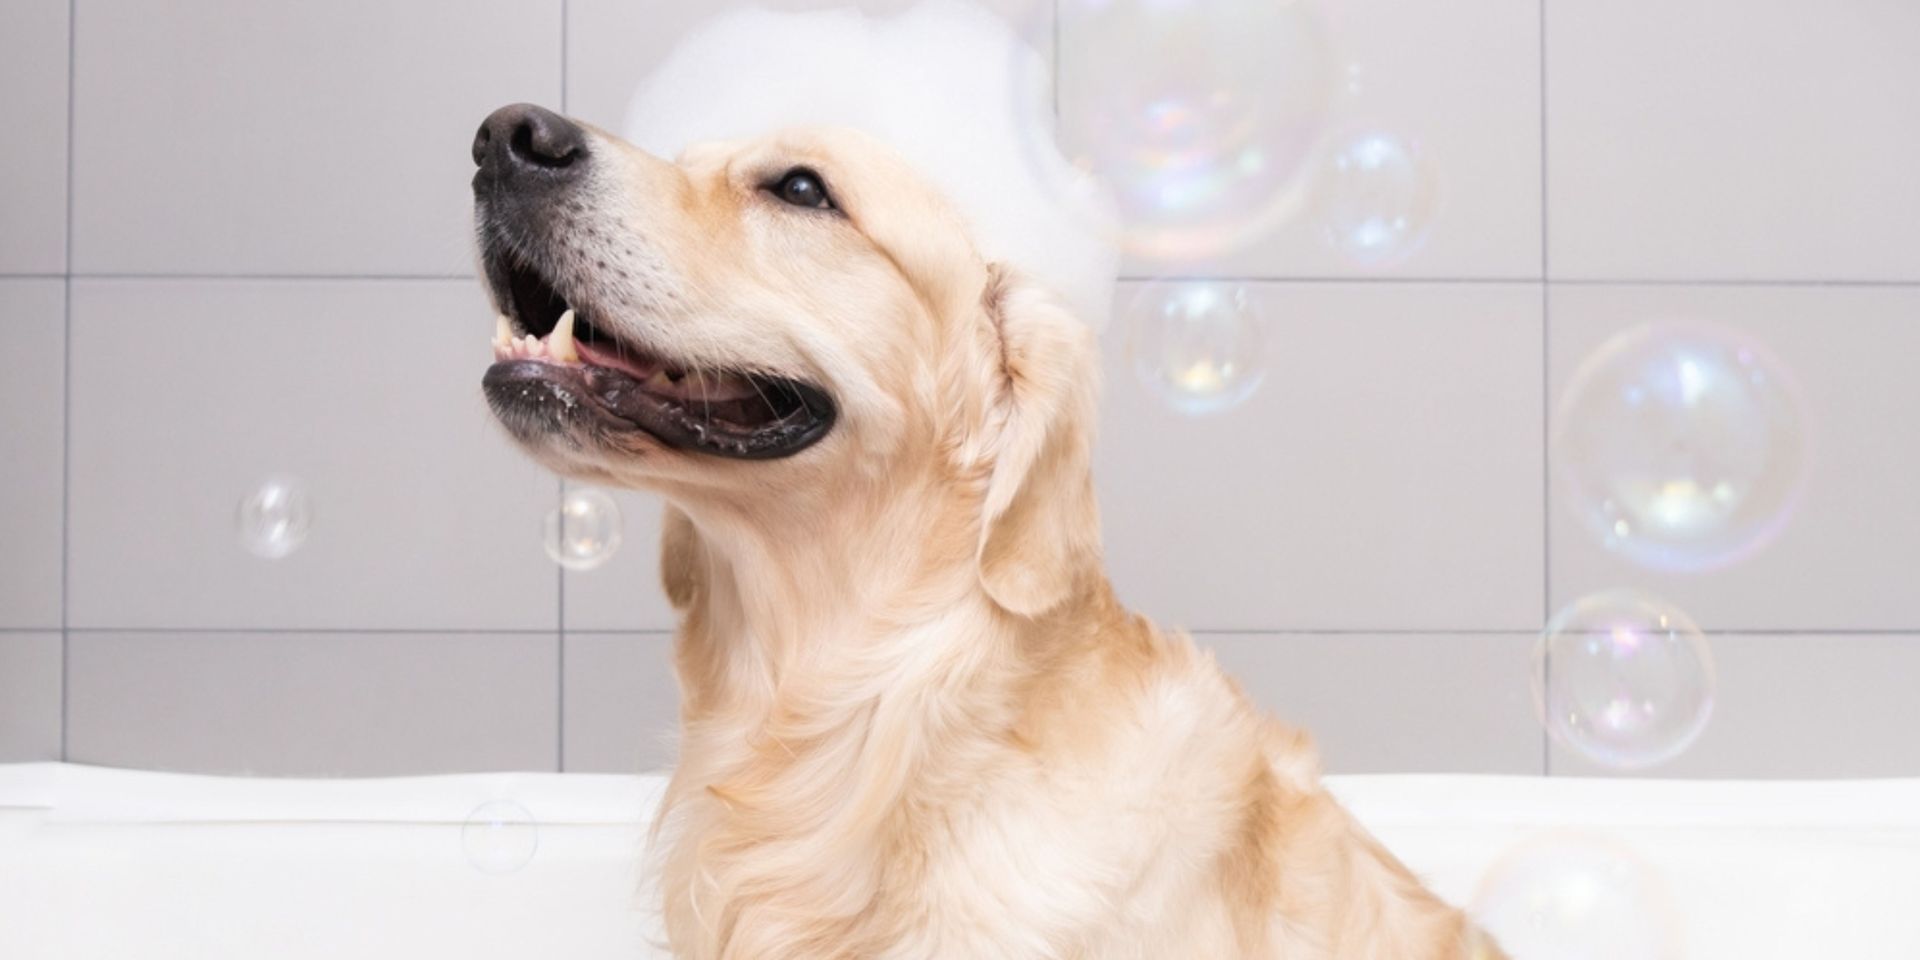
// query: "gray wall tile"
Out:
[1411,703]
[1471,110]
[29,697]
[33,167]
[1729,139]
[32,427]
[294,704]
[622,702]
[1804,707]
[1846,559]
[188,394]
[315,138]
[624,593]
[1386,475]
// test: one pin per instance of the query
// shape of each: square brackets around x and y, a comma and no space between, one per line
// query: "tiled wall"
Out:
[233,243]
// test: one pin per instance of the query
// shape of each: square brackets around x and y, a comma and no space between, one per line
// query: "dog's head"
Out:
[770,319]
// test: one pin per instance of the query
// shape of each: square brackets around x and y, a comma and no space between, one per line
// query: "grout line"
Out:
[66,399]
[278,277]
[661,633]
[1804,632]
[1546,399]
[312,631]
[560,501]
[1349,632]
[560,619]
[1777,282]
[1356,280]
[1365,280]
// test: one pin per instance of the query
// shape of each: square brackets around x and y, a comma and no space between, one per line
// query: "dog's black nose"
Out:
[523,140]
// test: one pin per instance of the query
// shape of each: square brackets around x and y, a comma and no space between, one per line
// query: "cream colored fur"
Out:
[916,721]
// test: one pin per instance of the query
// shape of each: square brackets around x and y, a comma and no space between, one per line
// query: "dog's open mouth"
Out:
[553,369]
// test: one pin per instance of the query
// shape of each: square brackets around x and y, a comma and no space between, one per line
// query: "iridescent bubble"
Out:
[1682,446]
[1200,116]
[1378,197]
[1198,345]
[500,837]
[1576,897]
[1623,678]
[584,530]
[274,519]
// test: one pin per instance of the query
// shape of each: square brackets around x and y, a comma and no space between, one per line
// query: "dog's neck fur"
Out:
[801,583]
[817,679]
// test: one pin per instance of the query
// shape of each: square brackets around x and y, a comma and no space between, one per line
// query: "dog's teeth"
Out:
[560,341]
[659,380]
[502,332]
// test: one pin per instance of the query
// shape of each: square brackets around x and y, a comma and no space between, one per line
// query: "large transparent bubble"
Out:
[585,530]
[1623,678]
[1566,896]
[1200,116]
[1682,446]
[1377,196]
[273,520]
[1197,345]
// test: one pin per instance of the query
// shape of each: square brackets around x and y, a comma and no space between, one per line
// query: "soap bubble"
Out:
[500,837]
[1199,116]
[1624,678]
[274,519]
[1198,345]
[1569,896]
[1378,196]
[584,530]
[1682,446]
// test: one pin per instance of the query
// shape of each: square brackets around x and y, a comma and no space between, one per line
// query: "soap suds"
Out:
[949,85]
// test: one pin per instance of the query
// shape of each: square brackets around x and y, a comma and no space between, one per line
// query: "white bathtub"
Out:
[120,865]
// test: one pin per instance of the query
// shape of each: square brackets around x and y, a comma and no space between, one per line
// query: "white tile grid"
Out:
[1546,273]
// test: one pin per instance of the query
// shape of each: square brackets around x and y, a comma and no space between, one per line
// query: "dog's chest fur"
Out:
[931,822]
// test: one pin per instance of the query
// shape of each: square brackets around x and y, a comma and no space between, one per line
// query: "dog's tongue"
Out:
[639,367]
[653,376]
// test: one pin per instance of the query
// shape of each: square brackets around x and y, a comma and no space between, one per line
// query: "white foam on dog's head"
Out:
[949,85]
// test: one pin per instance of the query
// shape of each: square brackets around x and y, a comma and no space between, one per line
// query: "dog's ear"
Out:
[1040,529]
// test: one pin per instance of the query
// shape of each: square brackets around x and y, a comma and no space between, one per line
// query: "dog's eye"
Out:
[802,188]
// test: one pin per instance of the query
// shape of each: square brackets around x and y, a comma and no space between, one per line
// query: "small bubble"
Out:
[585,530]
[500,837]
[274,519]
[1198,345]
[1624,679]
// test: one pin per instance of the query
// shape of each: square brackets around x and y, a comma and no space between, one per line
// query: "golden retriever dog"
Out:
[916,721]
